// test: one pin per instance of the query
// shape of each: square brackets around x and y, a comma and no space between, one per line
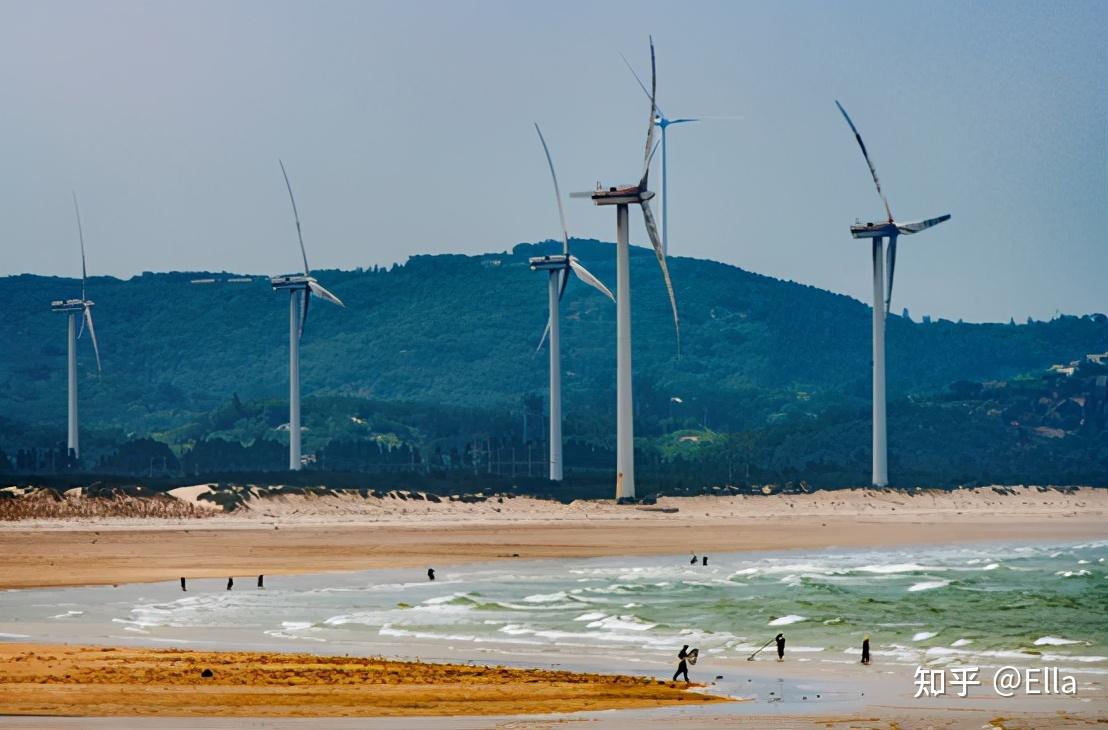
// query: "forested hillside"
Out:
[453,338]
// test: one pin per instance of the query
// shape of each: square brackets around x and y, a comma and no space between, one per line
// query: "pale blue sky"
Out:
[406,128]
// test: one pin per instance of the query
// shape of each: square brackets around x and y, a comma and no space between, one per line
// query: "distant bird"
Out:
[73,308]
[300,288]
[882,298]
[558,267]
[663,122]
[621,197]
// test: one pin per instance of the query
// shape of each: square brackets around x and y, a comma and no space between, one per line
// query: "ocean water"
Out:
[989,605]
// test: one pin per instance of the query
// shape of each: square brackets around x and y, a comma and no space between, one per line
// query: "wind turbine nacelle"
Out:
[626,195]
[69,305]
[290,281]
[874,230]
[554,262]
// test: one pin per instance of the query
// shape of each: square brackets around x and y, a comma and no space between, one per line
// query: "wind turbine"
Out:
[621,197]
[300,288]
[558,267]
[882,298]
[73,308]
[663,122]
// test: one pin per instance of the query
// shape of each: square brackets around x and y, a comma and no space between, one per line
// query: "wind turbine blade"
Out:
[682,121]
[891,265]
[641,84]
[81,236]
[562,283]
[322,293]
[296,217]
[557,192]
[92,334]
[586,276]
[542,340]
[865,153]
[917,226]
[304,313]
[649,150]
[581,194]
[652,231]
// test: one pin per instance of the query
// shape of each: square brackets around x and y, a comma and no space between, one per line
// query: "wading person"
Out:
[865,650]
[230,583]
[780,639]
[683,665]
[261,581]
[430,574]
[693,561]
[183,584]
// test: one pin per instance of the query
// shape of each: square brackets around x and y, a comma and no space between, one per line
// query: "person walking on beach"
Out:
[183,584]
[683,666]
[230,583]
[261,581]
[430,574]
[865,650]
[705,560]
[780,639]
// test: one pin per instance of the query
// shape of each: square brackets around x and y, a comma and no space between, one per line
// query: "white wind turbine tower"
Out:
[663,123]
[621,197]
[882,297]
[300,288]
[558,267]
[75,308]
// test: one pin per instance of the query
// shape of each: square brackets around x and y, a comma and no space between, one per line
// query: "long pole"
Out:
[294,380]
[71,356]
[665,197]
[880,464]
[555,378]
[625,436]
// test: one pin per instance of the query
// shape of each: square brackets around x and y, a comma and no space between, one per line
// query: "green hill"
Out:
[459,332]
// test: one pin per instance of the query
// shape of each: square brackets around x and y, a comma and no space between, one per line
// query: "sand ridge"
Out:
[93,681]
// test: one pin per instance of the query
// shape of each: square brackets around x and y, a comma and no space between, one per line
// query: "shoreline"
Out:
[319,534]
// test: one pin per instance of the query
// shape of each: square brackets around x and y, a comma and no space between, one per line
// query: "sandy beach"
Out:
[342,532]
[319,534]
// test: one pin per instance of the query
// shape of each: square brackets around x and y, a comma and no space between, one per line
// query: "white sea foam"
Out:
[928,585]
[896,568]
[591,616]
[444,599]
[1054,641]
[627,623]
[546,597]
[924,635]
[1054,658]
[1073,573]
[792,618]
[962,642]
[69,614]
[14,636]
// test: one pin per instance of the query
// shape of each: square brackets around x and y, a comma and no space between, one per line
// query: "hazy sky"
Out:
[406,128]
